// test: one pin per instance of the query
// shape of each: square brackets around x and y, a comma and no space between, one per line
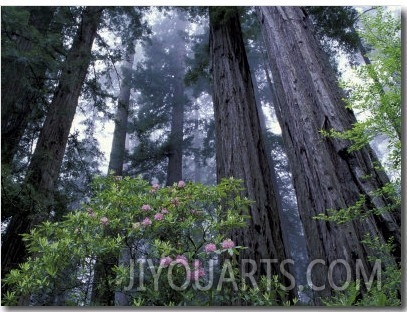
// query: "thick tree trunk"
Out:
[325,174]
[21,86]
[240,150]
[43,170]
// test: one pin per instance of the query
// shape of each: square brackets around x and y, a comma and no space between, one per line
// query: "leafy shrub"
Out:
[178,231]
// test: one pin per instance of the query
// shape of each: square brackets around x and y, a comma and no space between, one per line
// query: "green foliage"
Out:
[17,28]
[221,15]
[375,89]
[128,214]
[358,210]
[267,293]
[345,214]
[198,66]
[384,291]
[335,24]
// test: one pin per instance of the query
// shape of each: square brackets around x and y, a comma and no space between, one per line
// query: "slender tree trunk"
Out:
[176,139]
[43,170]
[240,149]
[325,174]
[197,144]
[102,293]
[21,86]
[119,136]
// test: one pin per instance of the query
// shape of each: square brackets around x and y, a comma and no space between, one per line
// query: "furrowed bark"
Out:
[240,149]
[325,174]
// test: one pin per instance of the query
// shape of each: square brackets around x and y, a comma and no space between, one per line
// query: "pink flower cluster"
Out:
[181,259]
[227,243]
[181,184]
[166,261]
[198,271]
[155,187]
[104,221]
[210,248]
[158,216]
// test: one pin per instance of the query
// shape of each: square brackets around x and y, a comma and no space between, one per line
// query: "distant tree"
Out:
[159,124]
[179,99]
[120,130]
[102,294]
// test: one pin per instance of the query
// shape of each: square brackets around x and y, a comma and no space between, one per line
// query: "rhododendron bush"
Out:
[167,239]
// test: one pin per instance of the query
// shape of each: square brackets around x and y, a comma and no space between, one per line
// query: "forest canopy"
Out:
[201,156]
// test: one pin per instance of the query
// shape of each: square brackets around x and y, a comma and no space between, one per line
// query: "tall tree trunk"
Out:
[240,149]
[102,294]
[21,85]
[43,170]
[297,242]
[120,130]
[325,174]
[197,144]
[176,139]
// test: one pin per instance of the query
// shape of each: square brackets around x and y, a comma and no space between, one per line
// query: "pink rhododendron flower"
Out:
[197,264]
[181,184]
[155,188]
[164,211]
[104,221]
[210,248]
[158,216]
[166,261]
[195,275]
[146,222]
[199,273]
[181,259]
[228,243]
[146,207]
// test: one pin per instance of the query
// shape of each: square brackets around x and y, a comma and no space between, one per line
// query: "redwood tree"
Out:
[176,137]
[120,130]
[240,149]
[43,171]
[325,174]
